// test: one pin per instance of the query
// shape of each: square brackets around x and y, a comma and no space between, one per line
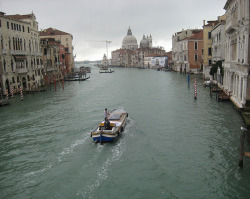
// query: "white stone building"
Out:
[20,56]
[218,49]
[129,41]
[179,49]
[236,66]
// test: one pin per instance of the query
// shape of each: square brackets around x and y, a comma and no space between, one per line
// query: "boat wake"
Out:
[115,154]
[65,152]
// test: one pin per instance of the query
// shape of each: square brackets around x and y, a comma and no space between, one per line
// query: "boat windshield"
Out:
[116,116]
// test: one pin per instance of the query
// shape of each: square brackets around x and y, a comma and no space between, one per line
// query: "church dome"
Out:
[129,41]
[144,42]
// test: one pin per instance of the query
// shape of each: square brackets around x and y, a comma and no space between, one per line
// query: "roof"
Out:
[17,16]
[52,32]
[212,23]
[196,36]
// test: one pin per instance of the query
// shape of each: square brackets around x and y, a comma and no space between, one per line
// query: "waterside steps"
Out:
[246,113]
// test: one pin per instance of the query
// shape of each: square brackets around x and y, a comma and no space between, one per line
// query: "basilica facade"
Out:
[132,55]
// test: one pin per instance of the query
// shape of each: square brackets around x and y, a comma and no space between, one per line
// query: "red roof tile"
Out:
[52,32]
[196,36]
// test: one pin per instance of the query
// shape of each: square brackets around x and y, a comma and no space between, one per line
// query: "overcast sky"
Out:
[102,20]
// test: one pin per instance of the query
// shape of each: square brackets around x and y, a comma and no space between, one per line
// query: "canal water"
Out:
[173,146]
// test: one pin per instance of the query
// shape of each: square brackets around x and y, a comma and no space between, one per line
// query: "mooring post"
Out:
[195,91]
[188,79]
[242,141]
[211,91]
[55,84]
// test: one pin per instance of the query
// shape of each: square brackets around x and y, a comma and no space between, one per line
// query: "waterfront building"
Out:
[105,61]
[181,47]
[236,65]
[65,39]
[218,49]
[130,55]
[20,55]
[129,41]
[122,58]
[51,57]
[192,52]
[156,61]
[207,43]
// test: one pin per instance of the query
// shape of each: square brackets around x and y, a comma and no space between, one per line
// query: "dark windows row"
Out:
[17,27]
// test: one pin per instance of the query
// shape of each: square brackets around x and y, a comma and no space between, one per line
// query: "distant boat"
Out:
[76,78]
[117,118]
[106,71]
[4,102]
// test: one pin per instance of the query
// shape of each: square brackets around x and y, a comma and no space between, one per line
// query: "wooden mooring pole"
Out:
[242,142]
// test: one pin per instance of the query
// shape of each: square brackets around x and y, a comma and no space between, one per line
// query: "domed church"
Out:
[129,41]
[146,42]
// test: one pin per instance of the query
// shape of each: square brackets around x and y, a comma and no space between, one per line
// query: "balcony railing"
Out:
[21,70]
[19,52]
[231,25]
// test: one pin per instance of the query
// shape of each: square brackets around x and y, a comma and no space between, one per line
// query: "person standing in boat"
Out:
[106,113]
[107,124]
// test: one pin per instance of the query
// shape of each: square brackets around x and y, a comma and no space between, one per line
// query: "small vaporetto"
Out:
[110,133]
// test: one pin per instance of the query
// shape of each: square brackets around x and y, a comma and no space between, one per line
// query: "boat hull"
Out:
[118,118]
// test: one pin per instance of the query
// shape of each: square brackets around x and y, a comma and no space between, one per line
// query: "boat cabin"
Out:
[102,127]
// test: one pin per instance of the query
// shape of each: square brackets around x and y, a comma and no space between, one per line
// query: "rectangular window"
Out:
[210,51]
[28,29]
[13,79]
[209,35]
[12,26]
[195,57]
[23,29]
[0,23]
[210,61]
[8,25]
[196,45]
[202,51]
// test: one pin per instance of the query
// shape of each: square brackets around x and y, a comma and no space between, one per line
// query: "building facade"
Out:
[236,65]
[51,60]
[20,55]
[132,56]
[186,50]
[65,39]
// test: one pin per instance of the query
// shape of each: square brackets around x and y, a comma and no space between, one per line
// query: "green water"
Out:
[172,147]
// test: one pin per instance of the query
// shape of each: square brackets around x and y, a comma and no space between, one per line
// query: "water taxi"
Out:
[117,119]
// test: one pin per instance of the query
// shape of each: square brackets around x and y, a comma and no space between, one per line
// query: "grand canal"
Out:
[173,146]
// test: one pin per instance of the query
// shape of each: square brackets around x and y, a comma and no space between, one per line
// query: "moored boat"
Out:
[117,119]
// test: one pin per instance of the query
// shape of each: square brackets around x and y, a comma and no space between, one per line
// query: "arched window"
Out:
[34,62]
[12,65]
[24,44]
[27,63]
[13,41]
[4,65]
[9,43]
[31,64]
[21,44]
[1,41]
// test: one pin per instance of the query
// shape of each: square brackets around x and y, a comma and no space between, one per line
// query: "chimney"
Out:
[204,22]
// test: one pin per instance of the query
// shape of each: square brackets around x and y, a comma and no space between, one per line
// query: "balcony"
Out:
[4,52]
[49,69]
[21,70]
[231,25]
[19,52]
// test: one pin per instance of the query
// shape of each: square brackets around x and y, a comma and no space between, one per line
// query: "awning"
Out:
[19,57]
